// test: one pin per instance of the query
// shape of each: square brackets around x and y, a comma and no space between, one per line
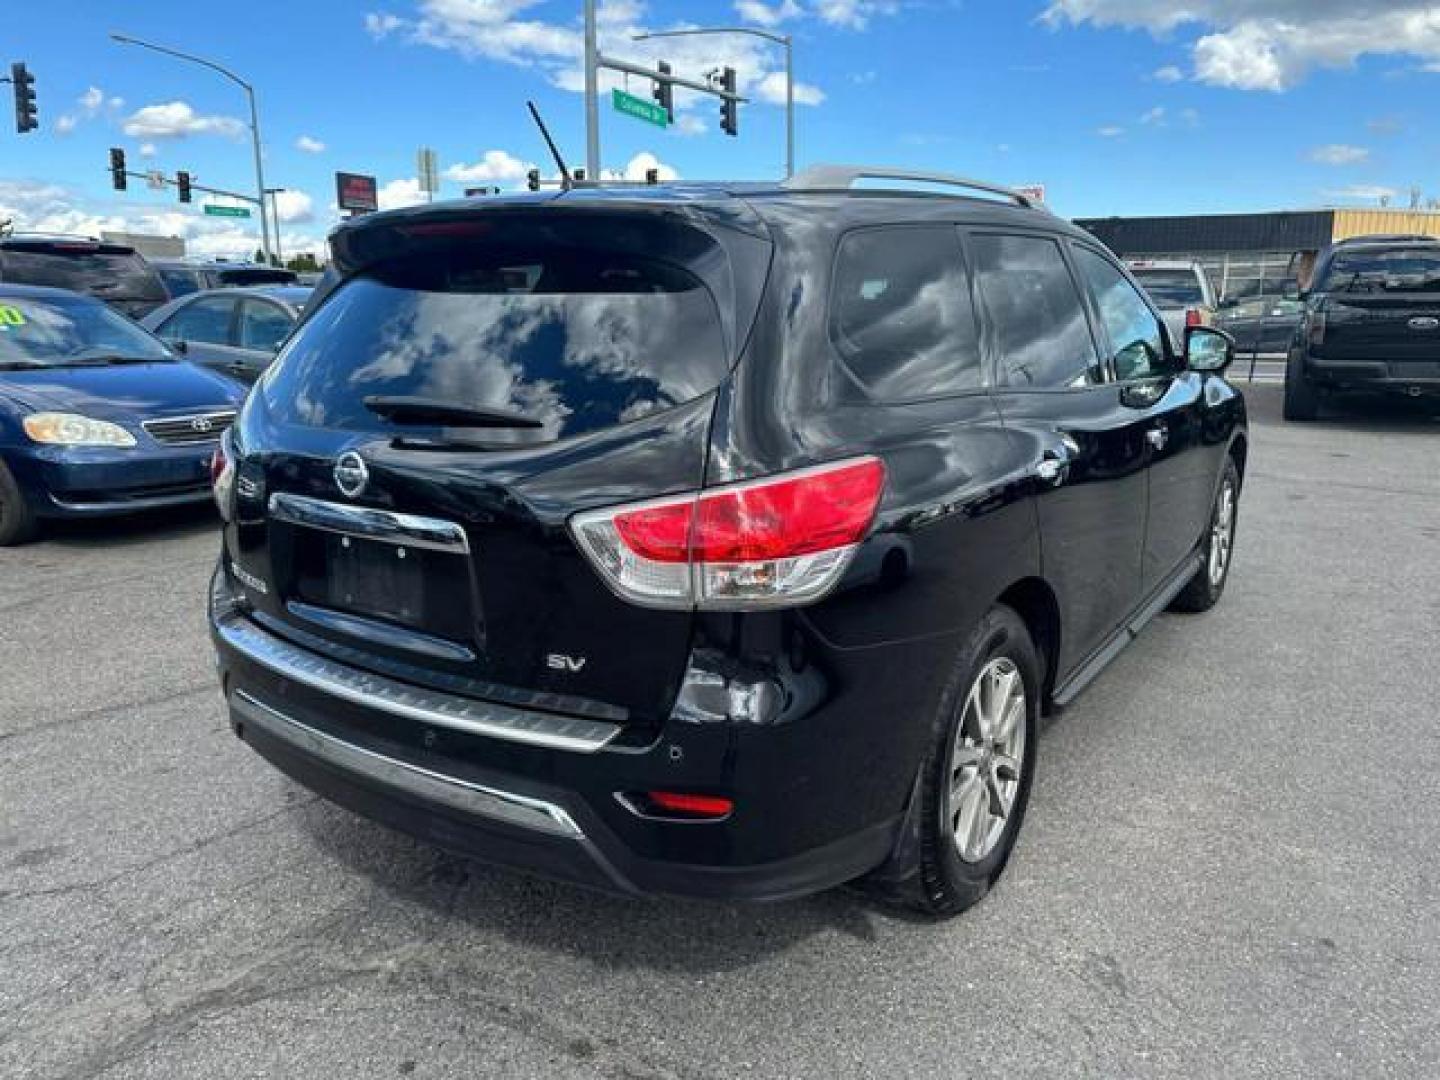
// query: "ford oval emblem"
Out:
[350,474]
[1425,322]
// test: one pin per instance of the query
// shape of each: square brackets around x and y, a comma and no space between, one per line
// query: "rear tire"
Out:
[1208,584]
[17,521]
[980,760]
[1302,399]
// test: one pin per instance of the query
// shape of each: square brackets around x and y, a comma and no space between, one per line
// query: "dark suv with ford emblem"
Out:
[721,540]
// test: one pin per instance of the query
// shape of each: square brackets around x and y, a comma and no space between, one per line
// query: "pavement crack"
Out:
[207,687]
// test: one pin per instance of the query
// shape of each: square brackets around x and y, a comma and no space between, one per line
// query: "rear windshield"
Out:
[1399,270]
[255,276]
[1171,288]
[577,340]
[104,274]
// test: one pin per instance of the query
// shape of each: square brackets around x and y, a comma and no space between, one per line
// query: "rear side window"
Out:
[206,321]
[1171,288]
[179,281]
[263,325]
[579,340]
[900,313]
[1134,332]
[1040,330]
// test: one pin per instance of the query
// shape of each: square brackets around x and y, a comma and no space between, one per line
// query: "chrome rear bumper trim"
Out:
[367,521]
[412,702]
[476,799]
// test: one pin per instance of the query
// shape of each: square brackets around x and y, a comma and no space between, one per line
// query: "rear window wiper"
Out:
[420,410]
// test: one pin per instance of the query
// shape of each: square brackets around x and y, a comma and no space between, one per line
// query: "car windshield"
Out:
[1395,270]
[1171,288]
[576,340]
[69,330]
[83,268]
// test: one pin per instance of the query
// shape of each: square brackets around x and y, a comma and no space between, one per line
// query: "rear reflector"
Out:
[705,806]
[783,540]
[1192,317]
[222,475]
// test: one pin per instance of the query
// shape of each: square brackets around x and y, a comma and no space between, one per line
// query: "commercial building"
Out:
[1254,254]
[151,246]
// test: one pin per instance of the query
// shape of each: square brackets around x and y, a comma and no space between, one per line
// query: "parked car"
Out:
[97,416]
[1262,325]
[183,276]
[1372,322]
[712,541]
[114,273]
[234,331]
[1182,290]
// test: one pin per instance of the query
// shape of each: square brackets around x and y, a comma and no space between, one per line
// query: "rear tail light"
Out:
[783,540]
[222,476]
[1193,317]
[680,804]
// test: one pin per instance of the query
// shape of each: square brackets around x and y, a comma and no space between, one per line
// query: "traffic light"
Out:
[117,168]
[182,185]
[26,118]
[664,92]
[532,180]
[729,107]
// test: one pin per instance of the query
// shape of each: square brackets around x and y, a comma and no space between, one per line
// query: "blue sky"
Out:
[1117,106]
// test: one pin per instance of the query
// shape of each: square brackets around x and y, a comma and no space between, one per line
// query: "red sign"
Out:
[355,192]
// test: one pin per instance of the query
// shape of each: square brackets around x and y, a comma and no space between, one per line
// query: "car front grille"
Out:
[190,430]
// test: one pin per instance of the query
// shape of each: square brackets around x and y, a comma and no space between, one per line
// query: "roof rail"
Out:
[843,177]
[1387,238]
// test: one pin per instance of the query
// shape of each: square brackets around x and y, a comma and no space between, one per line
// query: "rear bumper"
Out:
[84,482]
[524,790]
[1382,376]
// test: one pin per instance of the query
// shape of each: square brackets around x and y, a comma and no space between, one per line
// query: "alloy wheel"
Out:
[1222,534]
[987,759]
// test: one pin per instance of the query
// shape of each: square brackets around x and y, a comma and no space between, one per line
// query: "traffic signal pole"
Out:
[595,60]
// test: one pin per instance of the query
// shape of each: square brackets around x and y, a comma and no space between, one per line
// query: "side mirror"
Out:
[180,345]
[1208,350]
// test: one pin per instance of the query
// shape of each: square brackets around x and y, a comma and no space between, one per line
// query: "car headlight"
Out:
[71,429]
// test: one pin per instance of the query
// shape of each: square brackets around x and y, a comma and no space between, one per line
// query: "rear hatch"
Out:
[607,328]
[1383,306]
[113,273]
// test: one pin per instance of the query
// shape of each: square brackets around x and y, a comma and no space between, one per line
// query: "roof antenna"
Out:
[565,182]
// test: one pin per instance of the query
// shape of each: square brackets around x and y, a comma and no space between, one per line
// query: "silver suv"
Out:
[1182,291]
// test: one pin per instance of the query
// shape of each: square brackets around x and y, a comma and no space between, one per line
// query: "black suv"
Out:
[114,273]
[182,278]
[1372,322]
[713,540]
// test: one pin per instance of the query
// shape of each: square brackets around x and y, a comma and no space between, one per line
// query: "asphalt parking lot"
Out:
[1231,865]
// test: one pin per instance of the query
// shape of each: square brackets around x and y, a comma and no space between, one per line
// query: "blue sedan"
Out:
[97,416]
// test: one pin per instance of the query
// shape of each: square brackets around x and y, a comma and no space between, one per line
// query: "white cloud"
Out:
[92,99]
[1154,117]
[177,120]
[768,15]
[1191,117]
[1111,131]
[309,145]
[1271,44]
[864,78]
[294,206]
[640,164]
[1364,193]
[148,150]
[1339,154]
[494,166]
[87,106]
[398,193]
[508,31]
[1168,74]
[690,124]
[66,124]
[772,89]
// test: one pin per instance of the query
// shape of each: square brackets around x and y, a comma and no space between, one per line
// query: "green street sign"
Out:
[639,108]
[227,211]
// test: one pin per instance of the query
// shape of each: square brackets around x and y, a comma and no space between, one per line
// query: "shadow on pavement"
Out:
[131,529]
[1380,414]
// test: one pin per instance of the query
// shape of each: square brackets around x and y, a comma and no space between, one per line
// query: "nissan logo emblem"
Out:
[351,475]
[201,424]
[1425,322]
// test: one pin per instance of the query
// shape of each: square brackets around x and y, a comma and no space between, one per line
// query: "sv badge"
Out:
[561,662]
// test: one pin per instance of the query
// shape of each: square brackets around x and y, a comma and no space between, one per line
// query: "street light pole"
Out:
[592,95]
[779,39]
[274,193]
[124,39]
